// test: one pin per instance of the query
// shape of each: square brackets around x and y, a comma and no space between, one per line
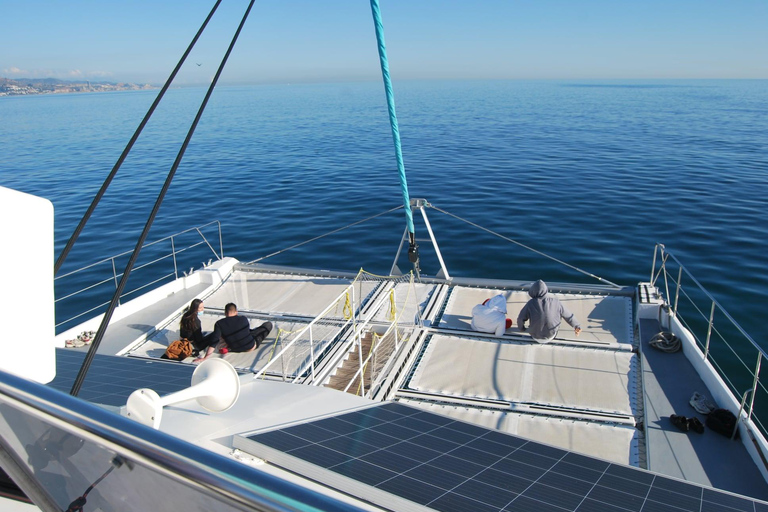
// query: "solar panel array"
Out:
[436,462]
[111,379]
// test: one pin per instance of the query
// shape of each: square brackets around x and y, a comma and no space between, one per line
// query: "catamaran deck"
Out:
[580,394]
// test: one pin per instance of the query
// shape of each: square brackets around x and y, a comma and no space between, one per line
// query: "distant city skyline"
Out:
[333,40]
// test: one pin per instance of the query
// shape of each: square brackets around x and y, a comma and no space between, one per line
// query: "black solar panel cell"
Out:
[436,476]
[524,504]
[393,461]
[365,472]
[485,493]
[283,441]
[490,446]
[633,474]
[680,501]
[504,481]
[349,446]
[521,469]
[478,456]
[589,505]
[626,486]
[415,426]
[457,503]
[456,465]
[337,426]
[449,434]
[410,489]
[320,456]
[414,451]
[532,459]
[655,506]
[574,471]
[312,433]
[617,498]
[372,438]
[435,443]
[727,500]
[566,483]
[553,496]
[678,487]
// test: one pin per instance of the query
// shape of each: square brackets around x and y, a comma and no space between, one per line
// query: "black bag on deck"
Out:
[722,421]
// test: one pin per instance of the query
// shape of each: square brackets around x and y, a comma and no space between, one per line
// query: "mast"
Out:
[413,248]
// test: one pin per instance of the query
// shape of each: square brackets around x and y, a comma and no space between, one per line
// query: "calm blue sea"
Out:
[592,173]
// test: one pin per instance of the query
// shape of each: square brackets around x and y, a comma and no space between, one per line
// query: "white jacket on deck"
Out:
[491,316]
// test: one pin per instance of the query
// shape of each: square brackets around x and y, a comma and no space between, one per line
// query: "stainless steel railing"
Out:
[105,276]
[734,354]
[49,437]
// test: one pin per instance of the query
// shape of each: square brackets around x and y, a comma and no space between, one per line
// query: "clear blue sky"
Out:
[333,40]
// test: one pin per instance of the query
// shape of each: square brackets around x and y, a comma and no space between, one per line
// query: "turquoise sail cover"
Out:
[392,115]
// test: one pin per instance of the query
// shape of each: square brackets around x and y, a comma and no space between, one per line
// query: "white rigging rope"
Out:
[524,246]
[577,269]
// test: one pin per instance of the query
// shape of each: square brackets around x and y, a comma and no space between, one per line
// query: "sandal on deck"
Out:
[681,422]
[696,425]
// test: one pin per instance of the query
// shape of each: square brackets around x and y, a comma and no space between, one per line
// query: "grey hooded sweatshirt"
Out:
[544,312]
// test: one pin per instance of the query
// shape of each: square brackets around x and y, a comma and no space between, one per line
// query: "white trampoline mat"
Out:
[602,318]
[608,442]
[283,294]
[573,377]
[409,301]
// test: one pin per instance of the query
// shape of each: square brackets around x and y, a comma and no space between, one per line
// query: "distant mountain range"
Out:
[26,86]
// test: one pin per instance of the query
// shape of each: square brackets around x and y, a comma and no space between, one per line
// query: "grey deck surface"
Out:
[708,458]
[126,330]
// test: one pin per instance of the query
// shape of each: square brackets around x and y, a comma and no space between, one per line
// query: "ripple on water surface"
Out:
[592,173]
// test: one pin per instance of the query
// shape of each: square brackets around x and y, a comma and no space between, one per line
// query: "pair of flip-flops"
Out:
[685,424]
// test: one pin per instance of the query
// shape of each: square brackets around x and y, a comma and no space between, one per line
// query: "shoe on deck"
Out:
[696,425]
[701,403]
[681,422]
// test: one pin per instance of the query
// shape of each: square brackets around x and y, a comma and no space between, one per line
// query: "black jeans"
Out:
[261,332]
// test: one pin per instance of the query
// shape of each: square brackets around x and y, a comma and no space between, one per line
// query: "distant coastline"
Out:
[27,86]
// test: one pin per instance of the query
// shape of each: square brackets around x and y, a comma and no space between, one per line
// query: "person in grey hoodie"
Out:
[544,312]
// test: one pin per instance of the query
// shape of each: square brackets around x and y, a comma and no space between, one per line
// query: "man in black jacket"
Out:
[236,334]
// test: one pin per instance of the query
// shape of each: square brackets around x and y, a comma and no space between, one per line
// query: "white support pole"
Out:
[709,330]
[358,335]
[399,250]
[754,384]
[312,353]
[434,243]
[653,265]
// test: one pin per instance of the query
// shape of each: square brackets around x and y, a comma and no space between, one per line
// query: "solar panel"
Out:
[111,379]
[404,459]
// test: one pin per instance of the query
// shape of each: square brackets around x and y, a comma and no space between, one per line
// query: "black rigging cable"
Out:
[113,303]
[129,146]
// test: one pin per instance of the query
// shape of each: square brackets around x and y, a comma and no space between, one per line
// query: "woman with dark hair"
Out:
[190,327]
